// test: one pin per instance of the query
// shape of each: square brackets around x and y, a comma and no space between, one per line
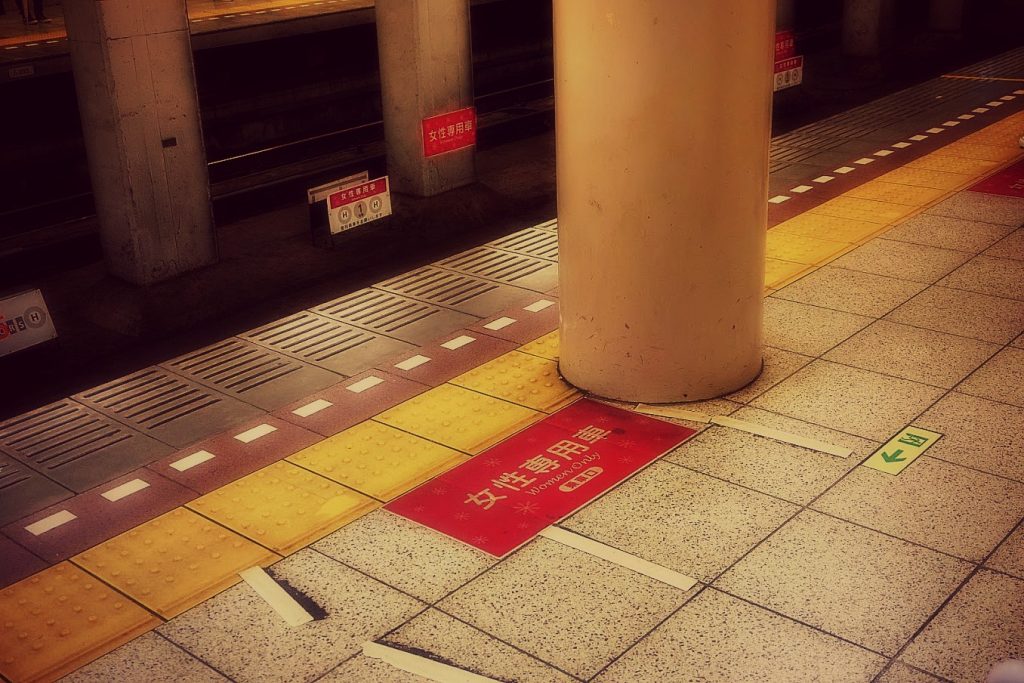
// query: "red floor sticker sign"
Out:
[508,494]
[1009,182]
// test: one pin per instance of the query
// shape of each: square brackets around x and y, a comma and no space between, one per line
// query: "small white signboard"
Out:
[24,321]
[358,204]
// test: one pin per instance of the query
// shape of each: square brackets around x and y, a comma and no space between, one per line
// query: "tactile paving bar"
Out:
[90,518]
[60,619]
[459,418]
[449,357]
[545,347]
[867,210]
[174,562]
[75,446]
[458,291]
[283,507]
[252,373]
[350,402]
[539,242]
[221,459]
[523,379]
[24,491]
[167,407]
[508,267]
[394,315]
[327,343]
[378,460]
[523,323]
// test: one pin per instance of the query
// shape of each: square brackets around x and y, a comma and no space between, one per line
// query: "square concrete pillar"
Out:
[132,63]
[425,70]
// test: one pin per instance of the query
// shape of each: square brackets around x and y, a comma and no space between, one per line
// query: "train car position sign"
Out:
[358,204]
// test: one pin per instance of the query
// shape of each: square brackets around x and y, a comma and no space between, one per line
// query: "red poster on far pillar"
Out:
[449,132]
[508,494]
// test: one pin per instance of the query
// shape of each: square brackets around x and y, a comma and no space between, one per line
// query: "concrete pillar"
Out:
[862,28]
[132,63]
[425,70]
[785,14]
[663,113]
[946,16]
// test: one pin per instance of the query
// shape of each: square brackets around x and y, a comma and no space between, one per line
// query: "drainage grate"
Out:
[531,242]
[325,342]
[166,406]
[394,315]
[252,373]
[75,446]
[458,291]
[24,491]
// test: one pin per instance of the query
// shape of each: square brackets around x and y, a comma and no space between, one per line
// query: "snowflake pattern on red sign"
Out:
[449,132]
[508,494]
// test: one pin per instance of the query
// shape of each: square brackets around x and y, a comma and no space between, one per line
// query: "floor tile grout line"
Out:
[156,632]
[970,576]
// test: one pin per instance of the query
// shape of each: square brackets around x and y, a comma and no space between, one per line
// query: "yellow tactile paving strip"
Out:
[522,379]
[174,562]
[459,418]
[378,460]
[61,619]
[283,507]
[545,347]
[827,231]
[181,558]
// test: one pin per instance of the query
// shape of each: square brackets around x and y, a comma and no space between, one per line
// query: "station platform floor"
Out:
[854,514]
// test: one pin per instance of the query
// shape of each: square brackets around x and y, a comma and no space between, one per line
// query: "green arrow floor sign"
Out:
[901,450]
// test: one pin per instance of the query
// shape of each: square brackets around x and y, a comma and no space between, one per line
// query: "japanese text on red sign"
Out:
[354,194]
[449,132]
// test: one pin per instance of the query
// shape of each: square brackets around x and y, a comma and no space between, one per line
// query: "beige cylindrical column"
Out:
[862,28]
[426,69]
[946,16]
[136,88]
[663,112]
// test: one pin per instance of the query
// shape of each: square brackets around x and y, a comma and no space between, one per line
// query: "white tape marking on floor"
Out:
[124,490]
[935,131]
[1008,98]
[422,666]
[500,323]
[883,152]
[779,435]
[538,306]
[800,189]
[312,408]
[778,199]
[845,169]
[458,342]
[190,461]
[864,161]
[49,523]
[980,110]
[902,145]
[824,179]
[918,138]
[257,432]
[672,411]
[950,124]
[364,384]
[414,362]
[290,610]
[994,103]
[966,117]
[616,556]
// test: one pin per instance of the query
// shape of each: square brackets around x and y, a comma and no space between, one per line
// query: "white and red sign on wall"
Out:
[449,132]
[24,321]
[358,204]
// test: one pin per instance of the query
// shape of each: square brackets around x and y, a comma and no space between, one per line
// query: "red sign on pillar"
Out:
[508,494]
[449,132]
[785,45]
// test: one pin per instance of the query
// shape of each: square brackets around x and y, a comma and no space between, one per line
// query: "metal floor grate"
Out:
[325,342]
[508,267]
[75,445]
[24,491]
[252,373]
[536,242]
[395,316]
[166,406]
[461,292]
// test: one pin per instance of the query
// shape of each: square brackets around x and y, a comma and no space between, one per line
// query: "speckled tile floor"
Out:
[807,563]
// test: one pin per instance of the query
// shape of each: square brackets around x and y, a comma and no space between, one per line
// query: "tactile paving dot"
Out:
[862,210]
[895,193]
[460,418]
[283,507]
[518,377]
[378,460]
[60,619]
[174,562]
[545,347]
